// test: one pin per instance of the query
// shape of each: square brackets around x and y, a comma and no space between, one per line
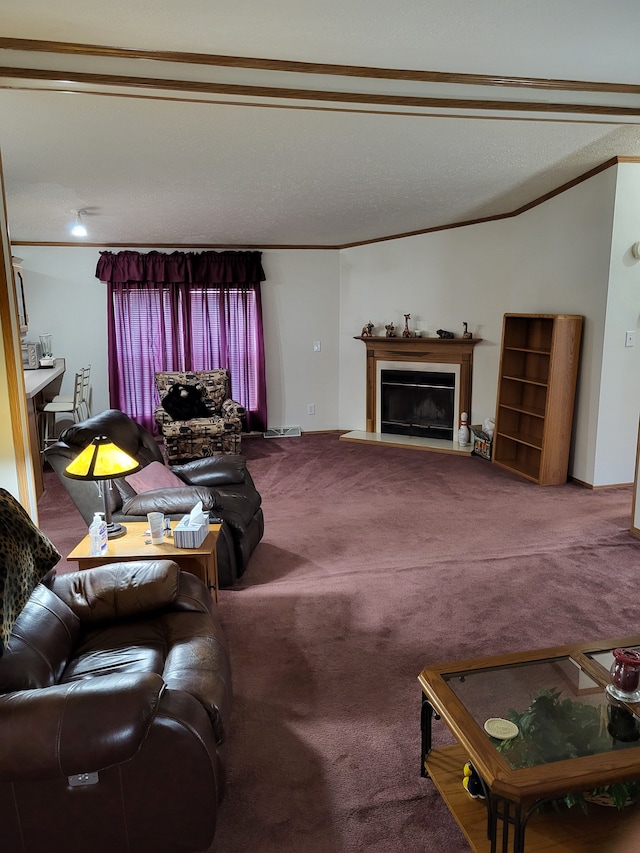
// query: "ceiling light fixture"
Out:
[78,229]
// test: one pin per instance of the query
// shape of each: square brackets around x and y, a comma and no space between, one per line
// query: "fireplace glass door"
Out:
[416,402]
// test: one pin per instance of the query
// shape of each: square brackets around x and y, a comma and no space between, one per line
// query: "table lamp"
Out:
[103,461]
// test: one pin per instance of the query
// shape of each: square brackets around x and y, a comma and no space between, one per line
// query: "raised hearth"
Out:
[414,442]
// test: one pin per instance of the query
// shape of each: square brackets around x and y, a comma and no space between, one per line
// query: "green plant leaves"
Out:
[555,729]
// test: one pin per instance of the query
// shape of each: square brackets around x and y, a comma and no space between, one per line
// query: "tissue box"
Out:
[185,536]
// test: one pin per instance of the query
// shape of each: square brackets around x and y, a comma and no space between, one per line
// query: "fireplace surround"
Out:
[422,355]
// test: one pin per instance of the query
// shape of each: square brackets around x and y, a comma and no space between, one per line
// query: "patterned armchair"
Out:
[201,436]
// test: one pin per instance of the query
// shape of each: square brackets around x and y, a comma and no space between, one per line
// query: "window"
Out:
[159,327]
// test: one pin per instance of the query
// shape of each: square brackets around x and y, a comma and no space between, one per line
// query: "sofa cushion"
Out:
[222,469]
[40,643]
[216,386]
[171,501]
[118,589]
[118,647]
[153,476]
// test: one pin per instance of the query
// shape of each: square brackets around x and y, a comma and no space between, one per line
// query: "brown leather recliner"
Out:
[222,482]
[115,700]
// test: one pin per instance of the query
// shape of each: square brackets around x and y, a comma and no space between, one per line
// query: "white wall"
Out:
[620,395]
[442,279]
[300,304]
[553,258]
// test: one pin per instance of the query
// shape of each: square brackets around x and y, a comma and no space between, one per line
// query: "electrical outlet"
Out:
[311,409]
[630,339]
[317,346]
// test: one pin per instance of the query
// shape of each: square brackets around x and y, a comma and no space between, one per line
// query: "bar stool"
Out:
[86,390]
[84,398]
[47,414]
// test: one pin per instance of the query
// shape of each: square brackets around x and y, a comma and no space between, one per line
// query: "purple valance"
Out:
[179,267]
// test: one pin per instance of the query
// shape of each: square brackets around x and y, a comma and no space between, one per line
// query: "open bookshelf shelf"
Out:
[528,379]
[536,392]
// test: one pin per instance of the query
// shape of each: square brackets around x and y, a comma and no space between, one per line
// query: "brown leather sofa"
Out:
[222,482]
[115,696]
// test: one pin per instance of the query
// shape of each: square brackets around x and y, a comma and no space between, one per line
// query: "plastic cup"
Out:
[156,527]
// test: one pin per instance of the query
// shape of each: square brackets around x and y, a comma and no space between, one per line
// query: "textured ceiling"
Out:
[165,166]
[571,39]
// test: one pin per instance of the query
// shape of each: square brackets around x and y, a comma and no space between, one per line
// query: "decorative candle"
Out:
[625,671]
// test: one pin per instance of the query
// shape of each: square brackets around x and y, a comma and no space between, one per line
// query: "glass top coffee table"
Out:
[571,737]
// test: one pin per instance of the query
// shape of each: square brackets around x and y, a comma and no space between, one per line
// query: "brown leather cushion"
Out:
[224,469]
[118,589]
[171,501]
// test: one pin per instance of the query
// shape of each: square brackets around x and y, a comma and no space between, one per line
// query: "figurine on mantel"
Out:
[391,330]
[466,334]
[441,333]
[367,330]
[405,332]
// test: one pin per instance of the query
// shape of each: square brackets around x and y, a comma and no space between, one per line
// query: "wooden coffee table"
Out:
[466,693]
[133,545]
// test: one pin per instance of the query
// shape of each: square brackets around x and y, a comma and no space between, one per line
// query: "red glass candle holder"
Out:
[625,675]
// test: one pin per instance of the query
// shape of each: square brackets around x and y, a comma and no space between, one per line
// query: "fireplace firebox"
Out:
[416,402]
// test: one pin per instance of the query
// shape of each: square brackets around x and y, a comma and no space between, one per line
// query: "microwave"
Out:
[31,355]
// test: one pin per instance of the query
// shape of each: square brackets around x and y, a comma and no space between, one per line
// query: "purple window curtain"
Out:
[184,311]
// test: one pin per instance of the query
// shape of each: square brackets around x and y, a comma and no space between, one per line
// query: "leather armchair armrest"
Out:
[172,501]
[78,727]
[200,666]
[225,469]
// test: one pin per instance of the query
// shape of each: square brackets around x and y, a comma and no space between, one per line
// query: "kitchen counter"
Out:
[35,381]
[40,386]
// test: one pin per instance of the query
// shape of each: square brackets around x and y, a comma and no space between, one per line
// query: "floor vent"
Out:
[283,432]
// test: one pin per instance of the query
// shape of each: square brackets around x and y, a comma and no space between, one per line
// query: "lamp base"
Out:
[115,530]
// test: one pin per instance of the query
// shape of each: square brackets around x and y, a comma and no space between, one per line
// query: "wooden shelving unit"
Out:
[536,393]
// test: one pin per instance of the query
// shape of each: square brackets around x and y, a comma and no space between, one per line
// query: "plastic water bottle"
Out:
[104,535]
[95,535]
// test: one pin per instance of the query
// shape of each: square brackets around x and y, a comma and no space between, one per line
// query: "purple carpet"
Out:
[377,561]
